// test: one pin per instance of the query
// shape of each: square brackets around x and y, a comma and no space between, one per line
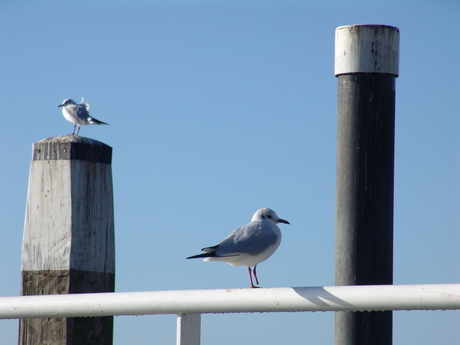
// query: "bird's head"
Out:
[267,214]
[67,102]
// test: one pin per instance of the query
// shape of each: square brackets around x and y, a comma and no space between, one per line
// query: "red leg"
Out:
[255,275]
[250,278]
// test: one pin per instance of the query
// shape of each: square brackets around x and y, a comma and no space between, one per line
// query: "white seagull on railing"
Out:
[78,114]
[248,245]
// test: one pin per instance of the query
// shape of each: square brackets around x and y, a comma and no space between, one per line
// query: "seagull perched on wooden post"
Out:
[78,114]
[248,245]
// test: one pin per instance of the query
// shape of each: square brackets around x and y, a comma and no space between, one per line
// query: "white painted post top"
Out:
[366,49]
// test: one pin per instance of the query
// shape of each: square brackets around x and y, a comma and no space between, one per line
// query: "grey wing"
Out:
[85,104]
[251,239]
[82,112]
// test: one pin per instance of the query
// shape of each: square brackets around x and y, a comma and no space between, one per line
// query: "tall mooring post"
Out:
[68,244]
[366,64]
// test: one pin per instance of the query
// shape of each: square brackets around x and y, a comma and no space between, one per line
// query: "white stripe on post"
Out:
[366,49]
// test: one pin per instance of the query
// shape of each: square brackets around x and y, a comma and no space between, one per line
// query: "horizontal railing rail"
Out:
[301,299]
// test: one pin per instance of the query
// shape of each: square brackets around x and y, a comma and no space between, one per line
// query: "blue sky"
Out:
[216,109]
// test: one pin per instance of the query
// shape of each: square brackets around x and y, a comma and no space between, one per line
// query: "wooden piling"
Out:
[68,244]
[366,64]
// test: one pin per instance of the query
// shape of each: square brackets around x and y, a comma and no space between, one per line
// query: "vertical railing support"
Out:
[68,244]
[188,329]
[366,64]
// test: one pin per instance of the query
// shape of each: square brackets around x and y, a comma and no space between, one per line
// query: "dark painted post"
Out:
[68,244]
[366,64]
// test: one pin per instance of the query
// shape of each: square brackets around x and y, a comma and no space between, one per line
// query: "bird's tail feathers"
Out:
[210,249]
[205,255]
[209,253]
[97,122]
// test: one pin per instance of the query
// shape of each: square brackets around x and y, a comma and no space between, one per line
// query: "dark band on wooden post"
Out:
[68,244]
[366,60]
[72,147]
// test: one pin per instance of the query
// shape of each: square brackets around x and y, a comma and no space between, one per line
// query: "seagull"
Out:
[248,245]
[78,114]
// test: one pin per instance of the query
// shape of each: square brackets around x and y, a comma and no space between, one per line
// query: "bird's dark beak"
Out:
[60,105]
[282,221]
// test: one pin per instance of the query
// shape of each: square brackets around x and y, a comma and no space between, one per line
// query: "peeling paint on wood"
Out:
[366,49]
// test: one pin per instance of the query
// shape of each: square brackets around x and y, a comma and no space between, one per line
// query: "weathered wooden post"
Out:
[68,244]
[366,64]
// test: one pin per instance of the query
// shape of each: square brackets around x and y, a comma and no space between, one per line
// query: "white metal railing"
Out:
[188,304]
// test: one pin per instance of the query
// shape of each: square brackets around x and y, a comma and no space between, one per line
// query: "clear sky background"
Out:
[216,109]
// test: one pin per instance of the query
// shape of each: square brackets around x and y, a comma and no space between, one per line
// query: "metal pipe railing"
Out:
[331,298]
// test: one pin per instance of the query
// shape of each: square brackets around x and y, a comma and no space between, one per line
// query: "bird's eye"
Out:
[269,216]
